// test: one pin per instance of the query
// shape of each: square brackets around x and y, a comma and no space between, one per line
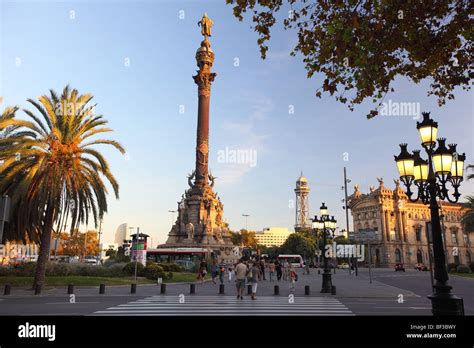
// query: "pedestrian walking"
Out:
[214,271]
[240,275]
[202,271]
[285,270]
[253,276]
[221,272]
[231,271]
[278,269]
[293,277]
[306,267]
[271,269]
[262,268]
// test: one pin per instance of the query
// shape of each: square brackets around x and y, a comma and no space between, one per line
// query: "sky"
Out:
[138,58]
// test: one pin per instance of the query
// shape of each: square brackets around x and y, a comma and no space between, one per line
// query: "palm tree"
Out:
[54,168]
[7,134]
[468,217]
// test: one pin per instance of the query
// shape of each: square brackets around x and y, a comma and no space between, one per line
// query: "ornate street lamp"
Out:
[433,179]
[325,225]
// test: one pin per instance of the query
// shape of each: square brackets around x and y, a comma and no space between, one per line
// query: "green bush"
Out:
[110,262]
[463,269]
[24,269]
[153,272]
[5,271]
[58,269]
[171,267]
[112,269]
[129,269]
[471,266]
[168,276]
[115,270]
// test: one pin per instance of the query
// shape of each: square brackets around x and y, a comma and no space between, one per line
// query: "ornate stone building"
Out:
[403,228]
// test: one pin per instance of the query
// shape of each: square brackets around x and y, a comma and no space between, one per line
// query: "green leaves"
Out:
[48,162]
[382,39]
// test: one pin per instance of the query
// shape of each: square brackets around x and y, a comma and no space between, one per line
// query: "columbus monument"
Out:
[200,220]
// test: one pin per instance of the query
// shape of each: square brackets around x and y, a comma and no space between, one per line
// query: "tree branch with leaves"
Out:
[361,47]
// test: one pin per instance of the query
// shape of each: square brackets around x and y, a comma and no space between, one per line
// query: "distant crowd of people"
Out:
[250,272]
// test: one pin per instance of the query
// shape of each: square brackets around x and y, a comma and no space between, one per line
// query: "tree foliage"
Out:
[51,168]
[245,238]
[81,244]
[297,243]
[360,47]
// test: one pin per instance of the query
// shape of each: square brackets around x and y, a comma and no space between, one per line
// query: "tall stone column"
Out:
[204,78]
[387,225]
[382,224]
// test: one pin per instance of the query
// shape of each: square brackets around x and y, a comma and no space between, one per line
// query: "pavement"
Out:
[390,293]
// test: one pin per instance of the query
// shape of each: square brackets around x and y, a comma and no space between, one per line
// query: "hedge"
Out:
[152,270]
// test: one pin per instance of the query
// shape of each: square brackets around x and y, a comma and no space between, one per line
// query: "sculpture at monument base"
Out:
[200,220]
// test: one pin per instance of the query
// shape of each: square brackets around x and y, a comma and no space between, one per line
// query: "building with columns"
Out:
[403,228]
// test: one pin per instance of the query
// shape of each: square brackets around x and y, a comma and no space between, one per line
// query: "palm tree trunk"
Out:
[45,245]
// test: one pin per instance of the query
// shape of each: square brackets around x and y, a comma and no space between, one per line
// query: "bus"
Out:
[188,258]
[294,260]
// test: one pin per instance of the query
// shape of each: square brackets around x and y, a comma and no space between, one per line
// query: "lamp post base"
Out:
[327,282]
[443,302]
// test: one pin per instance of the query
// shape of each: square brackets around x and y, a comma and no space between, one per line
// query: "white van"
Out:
[295,260]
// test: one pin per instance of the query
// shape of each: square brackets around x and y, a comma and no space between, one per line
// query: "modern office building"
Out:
[273,236]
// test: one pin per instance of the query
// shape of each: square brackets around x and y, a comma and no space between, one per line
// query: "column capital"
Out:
[204,81]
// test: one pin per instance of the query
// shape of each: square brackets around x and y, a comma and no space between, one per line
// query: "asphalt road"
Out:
[391,293]
[420,284]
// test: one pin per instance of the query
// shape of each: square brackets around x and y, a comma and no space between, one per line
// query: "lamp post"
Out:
[137,236]
[334,257]
[325,225]
[431,177]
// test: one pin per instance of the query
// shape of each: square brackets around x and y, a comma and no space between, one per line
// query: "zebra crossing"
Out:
[166,305]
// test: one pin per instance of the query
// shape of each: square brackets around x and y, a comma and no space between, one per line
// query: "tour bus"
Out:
[185,257]
[294,260]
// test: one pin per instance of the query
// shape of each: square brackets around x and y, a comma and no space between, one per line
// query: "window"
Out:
[418,234]
[466,238]
[398,257]
[392,235]
[454,237]
[419,256]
